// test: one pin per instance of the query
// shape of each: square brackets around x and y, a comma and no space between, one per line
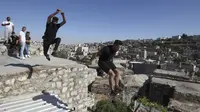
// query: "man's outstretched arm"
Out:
[64,19]
[4,24]
[52,15]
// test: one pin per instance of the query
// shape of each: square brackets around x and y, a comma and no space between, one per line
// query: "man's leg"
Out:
[46,45]
[117,76]
[22,50]
[111,79]
[28,46]
[105,67]
[57,43]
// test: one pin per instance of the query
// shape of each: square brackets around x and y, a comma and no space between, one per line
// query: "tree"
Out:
[184,36]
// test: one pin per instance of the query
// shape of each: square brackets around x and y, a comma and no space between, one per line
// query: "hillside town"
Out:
[170,63]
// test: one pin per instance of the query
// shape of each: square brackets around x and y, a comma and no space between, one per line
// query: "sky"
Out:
[105,20]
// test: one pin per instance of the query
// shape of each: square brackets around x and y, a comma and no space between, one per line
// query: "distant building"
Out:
[82,50]
[178,37]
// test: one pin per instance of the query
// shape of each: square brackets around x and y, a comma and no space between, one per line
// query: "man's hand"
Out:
[58,10]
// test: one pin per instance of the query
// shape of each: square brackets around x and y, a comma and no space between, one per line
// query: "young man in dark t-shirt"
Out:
[105,62]
[28,42]
[49,37]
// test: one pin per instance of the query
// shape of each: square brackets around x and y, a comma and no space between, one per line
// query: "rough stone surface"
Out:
[3,49]
[53,77]
[183,106]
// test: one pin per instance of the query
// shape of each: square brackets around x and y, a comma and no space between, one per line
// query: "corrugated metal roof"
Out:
[39,103]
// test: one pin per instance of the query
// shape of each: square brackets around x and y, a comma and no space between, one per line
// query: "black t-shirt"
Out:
[51,30]
[107,53]
[14,39]
[28,38]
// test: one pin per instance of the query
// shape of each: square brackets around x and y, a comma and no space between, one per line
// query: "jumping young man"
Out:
[105,63]
[49,37]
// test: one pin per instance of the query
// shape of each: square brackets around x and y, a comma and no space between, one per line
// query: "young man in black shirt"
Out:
[105,62]
[49,37]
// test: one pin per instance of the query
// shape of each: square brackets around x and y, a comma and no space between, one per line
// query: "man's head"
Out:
[55,20]
[8,18]
[116,45]
[23,28]
[27,33]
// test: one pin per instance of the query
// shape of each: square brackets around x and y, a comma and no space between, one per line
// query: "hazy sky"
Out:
[102,20]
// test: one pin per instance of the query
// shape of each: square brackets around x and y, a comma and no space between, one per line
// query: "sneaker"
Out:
[48,58]
[22,58]
[28,56]
[118,89]
[54,53]
[113,93]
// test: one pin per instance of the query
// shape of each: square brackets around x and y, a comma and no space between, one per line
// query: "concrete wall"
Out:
[69,83]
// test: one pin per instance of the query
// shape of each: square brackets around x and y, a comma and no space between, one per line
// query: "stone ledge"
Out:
[64,78]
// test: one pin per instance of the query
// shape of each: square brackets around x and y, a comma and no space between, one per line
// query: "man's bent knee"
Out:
[111,73]
[116,71]
[58,39]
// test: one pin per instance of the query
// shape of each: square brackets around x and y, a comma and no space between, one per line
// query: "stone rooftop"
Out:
[10,65]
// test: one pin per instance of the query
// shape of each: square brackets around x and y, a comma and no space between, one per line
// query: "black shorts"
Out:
[106,65]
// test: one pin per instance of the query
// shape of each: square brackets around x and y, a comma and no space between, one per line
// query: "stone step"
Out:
[30,105]
[11,106]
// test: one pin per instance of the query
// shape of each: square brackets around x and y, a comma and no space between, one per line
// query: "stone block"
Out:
[70,100]
[54,74]
[22,78]
[43,75]
[65,84]
[67,70]
[1,91]
[74,93]
[31,89]
[74,69]
[1,96]
[67,95]
[59,84]
[1,84]
[55,79]
[61,72]
[71,79]
[42,71]
[7,89]
[71,84]
[80,69]
[64,89]
[53,84]
[26,82]
[10,82]
[71,88]
[80,106]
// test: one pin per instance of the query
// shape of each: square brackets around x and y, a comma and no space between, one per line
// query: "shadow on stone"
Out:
[51,99]
[30,67]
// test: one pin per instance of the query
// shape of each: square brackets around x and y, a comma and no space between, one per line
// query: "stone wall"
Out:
[69,83]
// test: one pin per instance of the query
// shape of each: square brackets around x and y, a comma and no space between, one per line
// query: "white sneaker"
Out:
[22,58]
[28,56]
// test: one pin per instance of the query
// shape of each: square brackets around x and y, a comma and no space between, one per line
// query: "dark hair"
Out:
[55,18]
[27,32]
[7,17]
[118,42]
